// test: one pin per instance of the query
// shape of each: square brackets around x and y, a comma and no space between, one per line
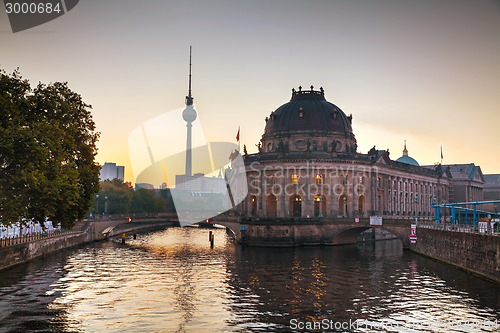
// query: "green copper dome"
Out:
[408,160]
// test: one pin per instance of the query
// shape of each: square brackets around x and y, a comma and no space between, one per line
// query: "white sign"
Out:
[413,234]
[375,220]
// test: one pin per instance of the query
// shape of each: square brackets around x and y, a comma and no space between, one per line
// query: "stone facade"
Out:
[467,182]
[308,166]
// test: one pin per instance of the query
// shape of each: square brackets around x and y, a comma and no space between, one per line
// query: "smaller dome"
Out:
[406,158]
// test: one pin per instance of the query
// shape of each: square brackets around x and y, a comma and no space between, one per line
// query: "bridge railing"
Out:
[132,216]
[495,231]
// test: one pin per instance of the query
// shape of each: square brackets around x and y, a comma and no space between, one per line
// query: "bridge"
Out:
[462,246]
[311,231]
[111,225]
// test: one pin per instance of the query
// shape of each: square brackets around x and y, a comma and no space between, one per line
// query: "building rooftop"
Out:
[468,171]
[308,110]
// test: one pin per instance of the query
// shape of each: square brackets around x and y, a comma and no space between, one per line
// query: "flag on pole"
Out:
[238,135]
[441,153]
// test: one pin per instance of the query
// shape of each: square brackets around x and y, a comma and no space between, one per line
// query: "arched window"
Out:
[272,205]
[361,204]
[253,205]
[296,205]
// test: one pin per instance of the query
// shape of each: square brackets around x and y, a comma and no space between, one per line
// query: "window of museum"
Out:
[295,178]
[253,205]
[269,146]
[319,179]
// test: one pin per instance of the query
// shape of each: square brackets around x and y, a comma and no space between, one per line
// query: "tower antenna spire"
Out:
[189,97]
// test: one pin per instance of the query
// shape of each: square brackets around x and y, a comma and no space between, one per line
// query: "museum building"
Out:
[308,165]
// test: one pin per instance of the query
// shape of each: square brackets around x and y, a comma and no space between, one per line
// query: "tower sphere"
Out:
[189,114]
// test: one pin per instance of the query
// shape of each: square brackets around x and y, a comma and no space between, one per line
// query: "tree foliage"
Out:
[47,152]
[120,198]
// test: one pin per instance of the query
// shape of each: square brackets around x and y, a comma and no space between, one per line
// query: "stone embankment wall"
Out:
[83,233]
[18,253]
[474,252]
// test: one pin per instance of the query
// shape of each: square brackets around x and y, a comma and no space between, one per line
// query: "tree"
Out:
[121,198]
[47,153]
[118,194]
[146,201]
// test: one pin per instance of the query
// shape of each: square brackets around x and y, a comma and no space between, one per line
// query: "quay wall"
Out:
[92,231]
[18,253]
[475,252]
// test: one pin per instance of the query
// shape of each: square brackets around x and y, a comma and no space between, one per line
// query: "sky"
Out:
[427,72]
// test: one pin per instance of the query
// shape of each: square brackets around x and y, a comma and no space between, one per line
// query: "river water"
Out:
[172,281]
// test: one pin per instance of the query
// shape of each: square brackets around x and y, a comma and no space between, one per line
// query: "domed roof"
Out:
[406,158]
[308,110]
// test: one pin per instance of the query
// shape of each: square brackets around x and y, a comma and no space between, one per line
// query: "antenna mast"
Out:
[189,98]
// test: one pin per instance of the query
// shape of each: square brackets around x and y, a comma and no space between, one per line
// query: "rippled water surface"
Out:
[172,281]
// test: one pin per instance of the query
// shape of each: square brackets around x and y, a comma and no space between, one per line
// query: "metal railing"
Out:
[14,240]
[448,226]
[131,215]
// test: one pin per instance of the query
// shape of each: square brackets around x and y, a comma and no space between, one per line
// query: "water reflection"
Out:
[172,281]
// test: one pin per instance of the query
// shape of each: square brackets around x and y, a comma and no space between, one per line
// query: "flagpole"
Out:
[238,139]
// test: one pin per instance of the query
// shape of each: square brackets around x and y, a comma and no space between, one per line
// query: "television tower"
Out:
[189,115]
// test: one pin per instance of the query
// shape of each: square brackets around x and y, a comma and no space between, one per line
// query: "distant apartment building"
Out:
[111,171]
[199,183]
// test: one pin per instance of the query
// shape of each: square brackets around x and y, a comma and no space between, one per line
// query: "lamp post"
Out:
[444,212]
[345,207]
[416,206]
[436,210]
[319,200]
[97,204]
[106,205]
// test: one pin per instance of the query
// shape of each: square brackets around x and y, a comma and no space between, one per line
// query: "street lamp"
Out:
[319,200]
[345,207]
[416,205]
[105,205]
[97,204]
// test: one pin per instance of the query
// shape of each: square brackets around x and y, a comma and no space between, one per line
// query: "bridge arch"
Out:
[232,228]
[349,234]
